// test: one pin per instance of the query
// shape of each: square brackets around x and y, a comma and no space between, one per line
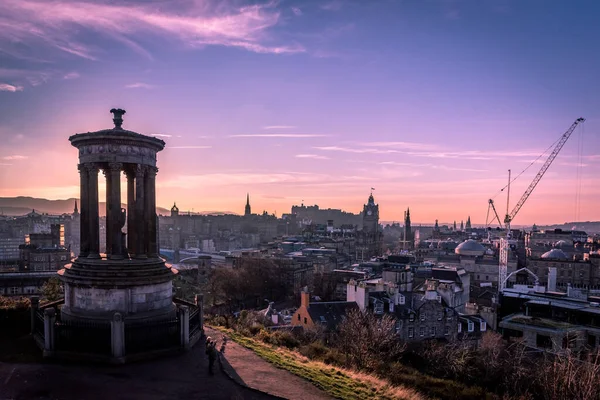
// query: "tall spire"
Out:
[247,210]
[75,210]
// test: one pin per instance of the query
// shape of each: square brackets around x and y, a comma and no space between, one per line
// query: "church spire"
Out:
[75,210]
[247,210]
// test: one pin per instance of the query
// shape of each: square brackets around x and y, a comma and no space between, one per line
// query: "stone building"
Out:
[569,271]
[327,315]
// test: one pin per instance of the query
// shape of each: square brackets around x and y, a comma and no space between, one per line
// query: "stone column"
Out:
[199,300]
[150,211]
[117,330]
[140,224]
[35,305]
[49,322]
[84,240]
[115,223]
[94,217]
[184,326]
[130,210]
[108,233]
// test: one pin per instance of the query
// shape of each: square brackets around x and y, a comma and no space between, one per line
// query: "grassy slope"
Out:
[337,382]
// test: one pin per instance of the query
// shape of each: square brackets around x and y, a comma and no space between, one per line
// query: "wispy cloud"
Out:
[139,85]
[279,127]
[189,147]
[355,150]
[71,75]
[279,135]
[160,135]
[313,156]
[432,166]
[65,25]
[334,5]
[401,145]
[5,87]
[15,157]
[297,11]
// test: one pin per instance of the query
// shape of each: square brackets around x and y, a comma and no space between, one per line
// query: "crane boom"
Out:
[491,205]
[509,217]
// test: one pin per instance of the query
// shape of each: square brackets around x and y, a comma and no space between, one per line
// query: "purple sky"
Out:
[429,102]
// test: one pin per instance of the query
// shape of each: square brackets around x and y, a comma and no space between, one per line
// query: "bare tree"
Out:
[566,376]
[367,340]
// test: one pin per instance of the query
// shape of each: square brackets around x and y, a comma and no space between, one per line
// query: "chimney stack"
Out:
[304,299]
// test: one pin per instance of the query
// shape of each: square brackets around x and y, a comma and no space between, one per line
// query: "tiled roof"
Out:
[330,313]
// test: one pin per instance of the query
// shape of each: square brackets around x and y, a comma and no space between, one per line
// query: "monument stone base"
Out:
[95,289]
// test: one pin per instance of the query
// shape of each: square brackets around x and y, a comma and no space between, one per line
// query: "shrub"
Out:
[264,336]
[285,338]
[335,357]
[255,329]
[14,302]
[314,351]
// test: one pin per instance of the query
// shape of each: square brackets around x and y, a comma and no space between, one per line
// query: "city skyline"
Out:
[430,103]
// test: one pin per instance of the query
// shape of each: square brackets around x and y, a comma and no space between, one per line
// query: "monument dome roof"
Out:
[470,248]
[562,243]
[556,254]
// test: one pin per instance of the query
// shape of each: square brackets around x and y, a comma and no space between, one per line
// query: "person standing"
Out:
[211,351]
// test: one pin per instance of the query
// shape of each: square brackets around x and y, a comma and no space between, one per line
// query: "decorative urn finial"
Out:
[117,117]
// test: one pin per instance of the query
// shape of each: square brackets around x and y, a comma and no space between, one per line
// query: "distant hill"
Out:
[22,205]
[587,226]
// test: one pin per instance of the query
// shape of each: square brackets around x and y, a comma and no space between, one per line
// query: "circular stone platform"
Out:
[138,289]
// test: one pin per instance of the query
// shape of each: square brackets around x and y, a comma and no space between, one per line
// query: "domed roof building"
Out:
[555,254]
[562,244]
[470,248]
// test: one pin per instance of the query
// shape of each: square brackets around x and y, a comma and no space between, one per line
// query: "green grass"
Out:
[337,382]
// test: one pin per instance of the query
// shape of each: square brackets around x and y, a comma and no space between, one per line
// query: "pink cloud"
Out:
[55,23]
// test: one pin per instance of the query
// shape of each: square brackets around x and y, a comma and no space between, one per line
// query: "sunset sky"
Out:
[430,102]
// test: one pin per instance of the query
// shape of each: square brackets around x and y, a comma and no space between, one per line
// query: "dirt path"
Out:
[245,366]
[178,377]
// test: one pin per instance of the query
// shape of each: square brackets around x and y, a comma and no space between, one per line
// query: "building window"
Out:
[433,331]
[411,332]
[411,317]
[298,316]
[305,322]
[447,330]
[487,277]
[440,315]
[459,327]
[543,341]
[423,316]
[14,290]
[471,326]
[422,331]
[591,339]
[482,326]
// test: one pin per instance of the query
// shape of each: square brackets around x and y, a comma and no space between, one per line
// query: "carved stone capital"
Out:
[92,167]
[115,166]
[140,171]
[151,171]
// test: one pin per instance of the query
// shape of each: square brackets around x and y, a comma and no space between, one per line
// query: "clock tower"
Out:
[371,216]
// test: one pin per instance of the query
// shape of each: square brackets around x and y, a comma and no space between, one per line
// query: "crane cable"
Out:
[529,166]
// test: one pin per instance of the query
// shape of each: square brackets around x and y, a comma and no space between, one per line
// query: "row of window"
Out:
[17,290]
[432,331]
[423,316]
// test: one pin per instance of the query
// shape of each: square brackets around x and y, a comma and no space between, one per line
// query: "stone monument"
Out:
[130,279]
